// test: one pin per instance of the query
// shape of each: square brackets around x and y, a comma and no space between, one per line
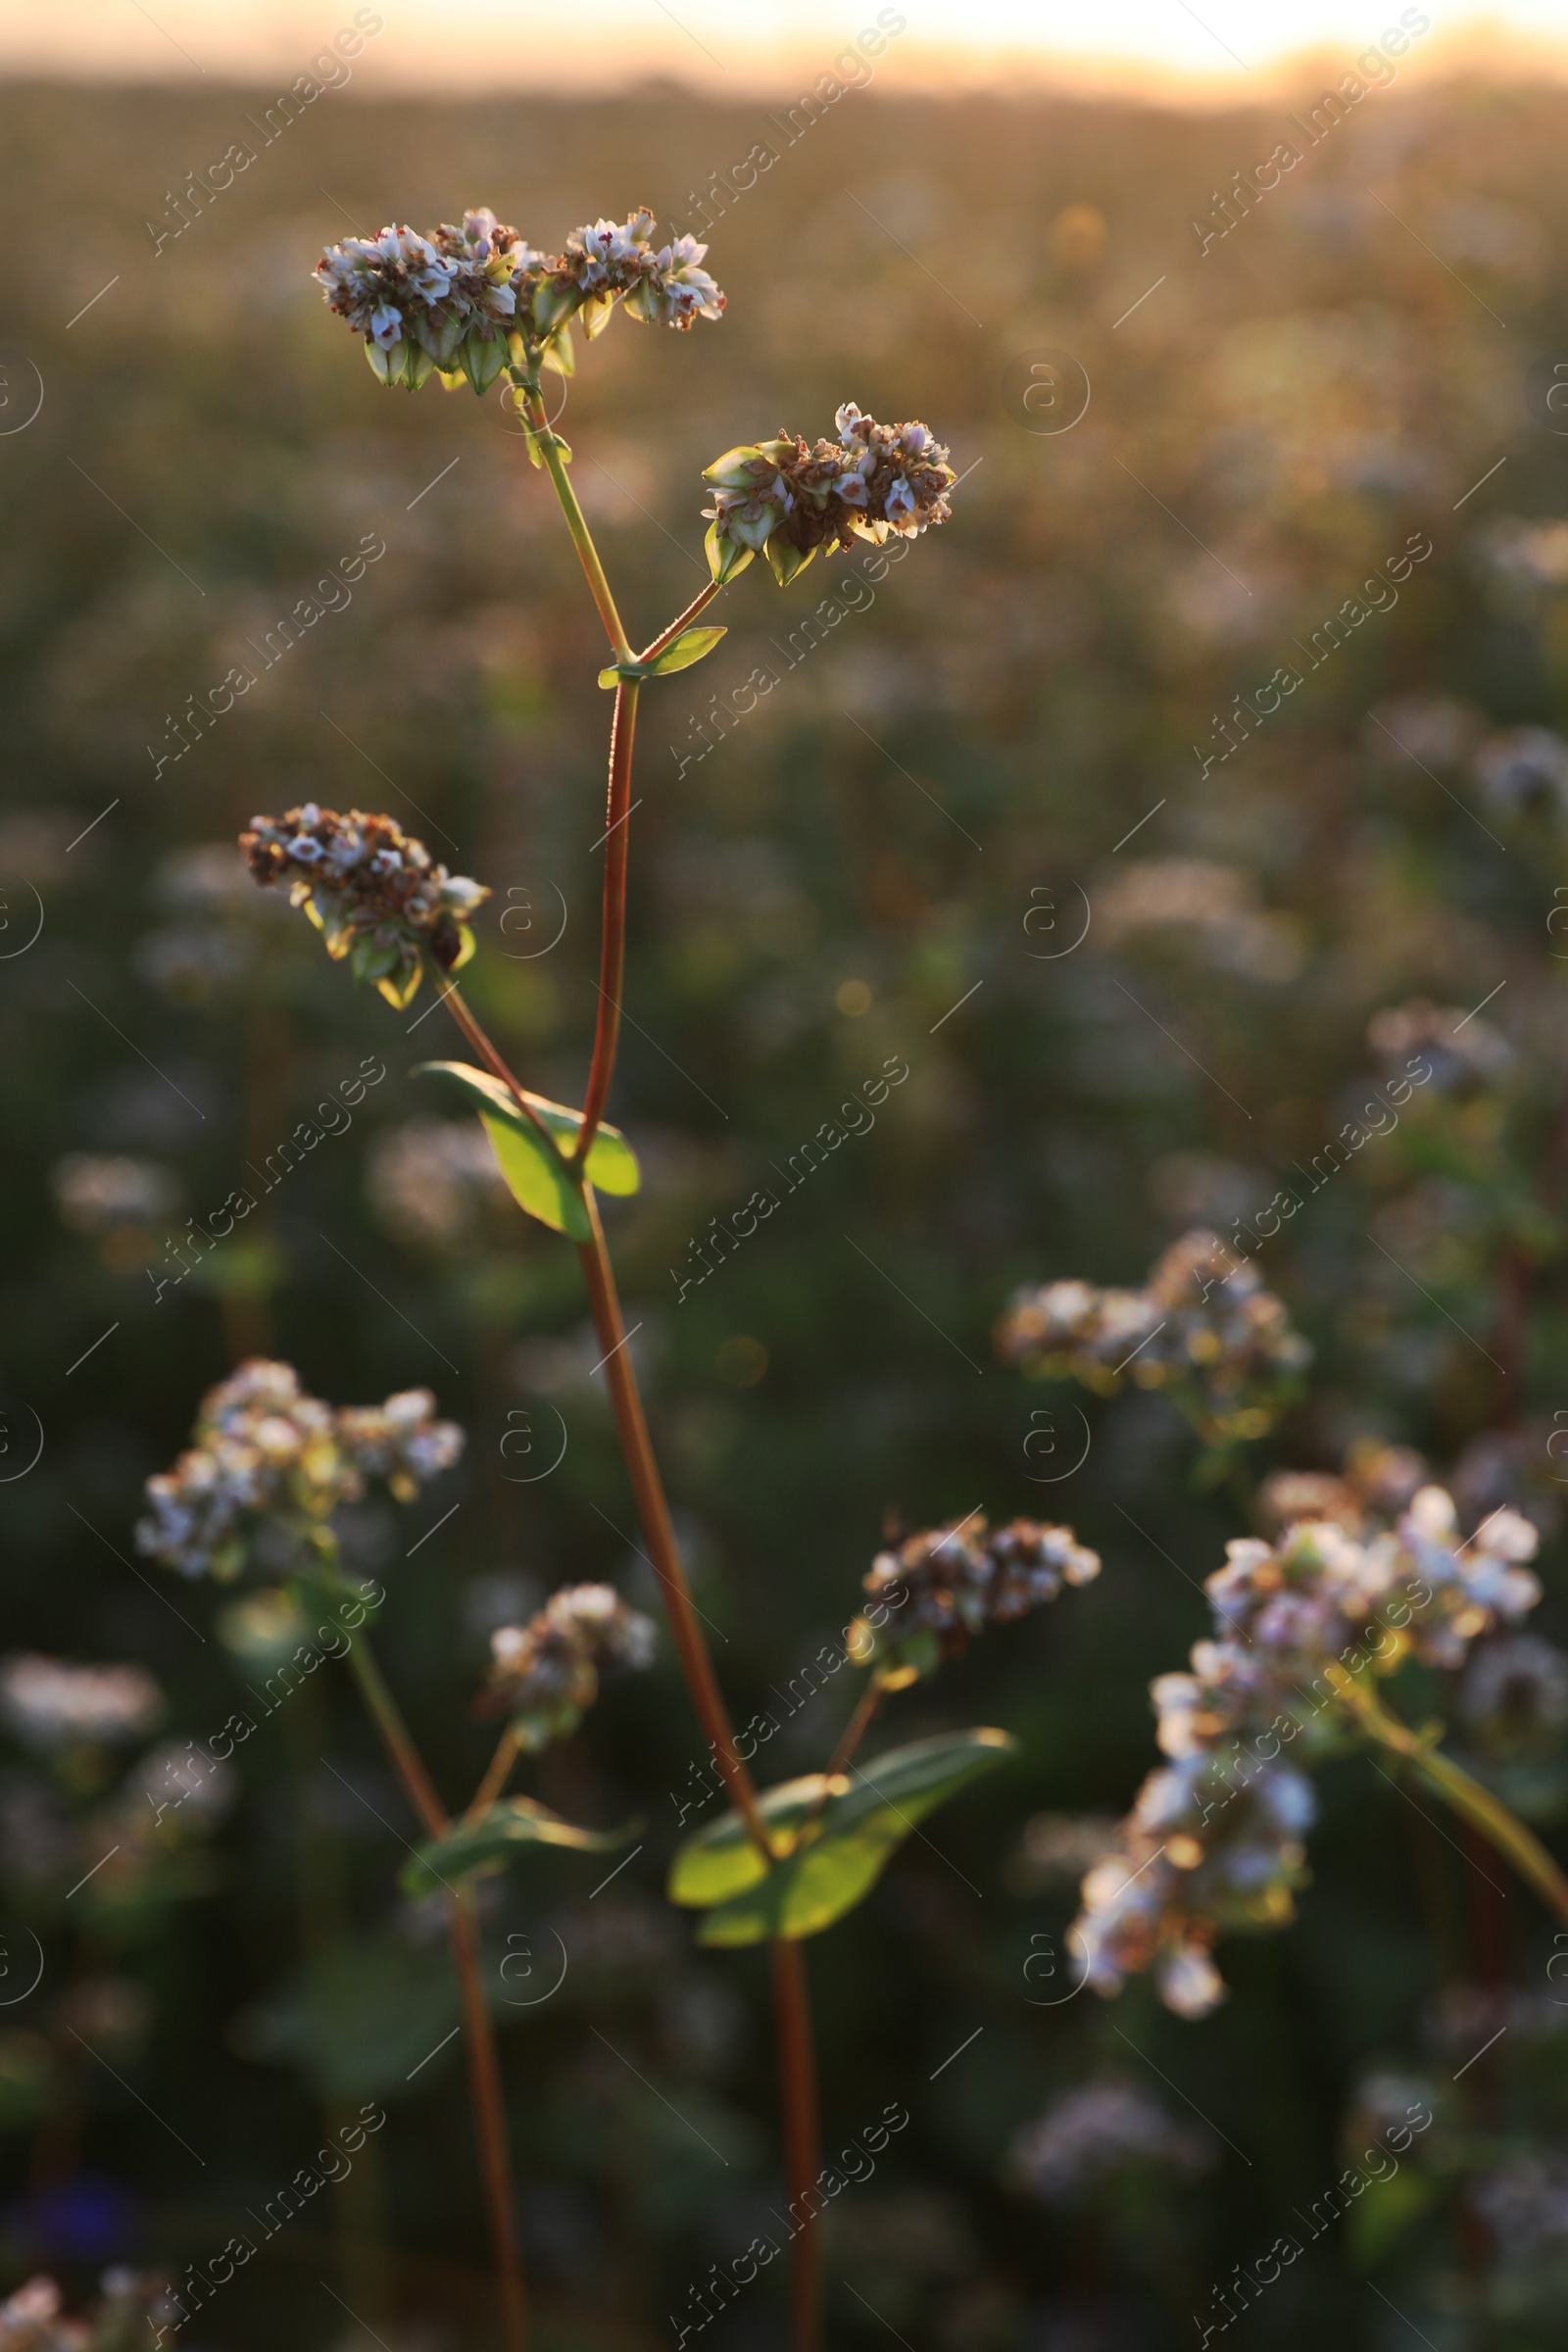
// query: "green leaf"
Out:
[536,1178]
[692,645]
[536,1175]
[721,1861]
[490,1844]
[830,1863]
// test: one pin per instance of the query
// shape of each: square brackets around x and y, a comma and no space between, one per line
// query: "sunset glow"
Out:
[1221,50]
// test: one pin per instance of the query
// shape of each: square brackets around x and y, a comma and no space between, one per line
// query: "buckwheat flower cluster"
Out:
[1202,1326]
[401,1442]
[447,304]
[372,890]
[50,1704]
[1089,2136]
[265,1449]
[615,261]
[544,1675]
[786,497]
[947,1584]
[1201,1854]
[1215,1840]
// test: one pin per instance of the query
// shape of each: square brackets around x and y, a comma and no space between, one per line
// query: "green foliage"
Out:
[536,1175]
[477,1849]
[692,645]
[833,1838]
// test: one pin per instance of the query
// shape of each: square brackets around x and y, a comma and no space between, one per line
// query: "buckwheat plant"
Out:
[268,1468]
[470,305]
[1306,1626]
[1202,1328]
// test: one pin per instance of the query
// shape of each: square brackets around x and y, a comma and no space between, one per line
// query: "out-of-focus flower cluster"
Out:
[786,499]
[49,1704]
[103,1192]
[936,1590]
[265,1449]
[34,2319]
[446,304]
[1219,908]
[372,890]
[1215,1840]
[544,1675]
[1090,2136]
[1464,1052]
[428,1179]
[1202,1326]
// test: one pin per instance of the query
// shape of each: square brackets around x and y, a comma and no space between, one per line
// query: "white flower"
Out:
[50,1704]
[1189,1982]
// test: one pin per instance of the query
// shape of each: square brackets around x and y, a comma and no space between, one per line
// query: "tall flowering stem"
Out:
[464,303]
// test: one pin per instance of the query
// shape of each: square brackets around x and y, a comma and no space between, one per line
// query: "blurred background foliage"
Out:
[911,813]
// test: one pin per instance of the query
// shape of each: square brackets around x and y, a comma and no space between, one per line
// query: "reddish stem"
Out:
[490,2119]
[797,2074]
[698,602]
[855,1729]
[654,1513]
[454,1001]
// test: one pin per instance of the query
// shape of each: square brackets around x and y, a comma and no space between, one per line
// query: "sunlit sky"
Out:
[1216,49]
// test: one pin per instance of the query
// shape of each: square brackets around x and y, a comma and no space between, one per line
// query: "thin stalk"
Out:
[855,1729]
[484,2064]
[791,2013]
[648,1486]
[1474,1803]
[613,940]
[582,537]
[495,1775]
[458,1007]
[490,2116]
[653,1509]
[698,602]
[797,2074]
[407,1761]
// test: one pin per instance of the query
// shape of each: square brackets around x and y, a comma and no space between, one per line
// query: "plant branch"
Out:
[456,1004]
[490,2117]
[855,1729]
[1474,1803]
[613,940]
[582,537]
[653,1509]
[407,1761]
[797,2070]
[699,603]
[497,1773]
